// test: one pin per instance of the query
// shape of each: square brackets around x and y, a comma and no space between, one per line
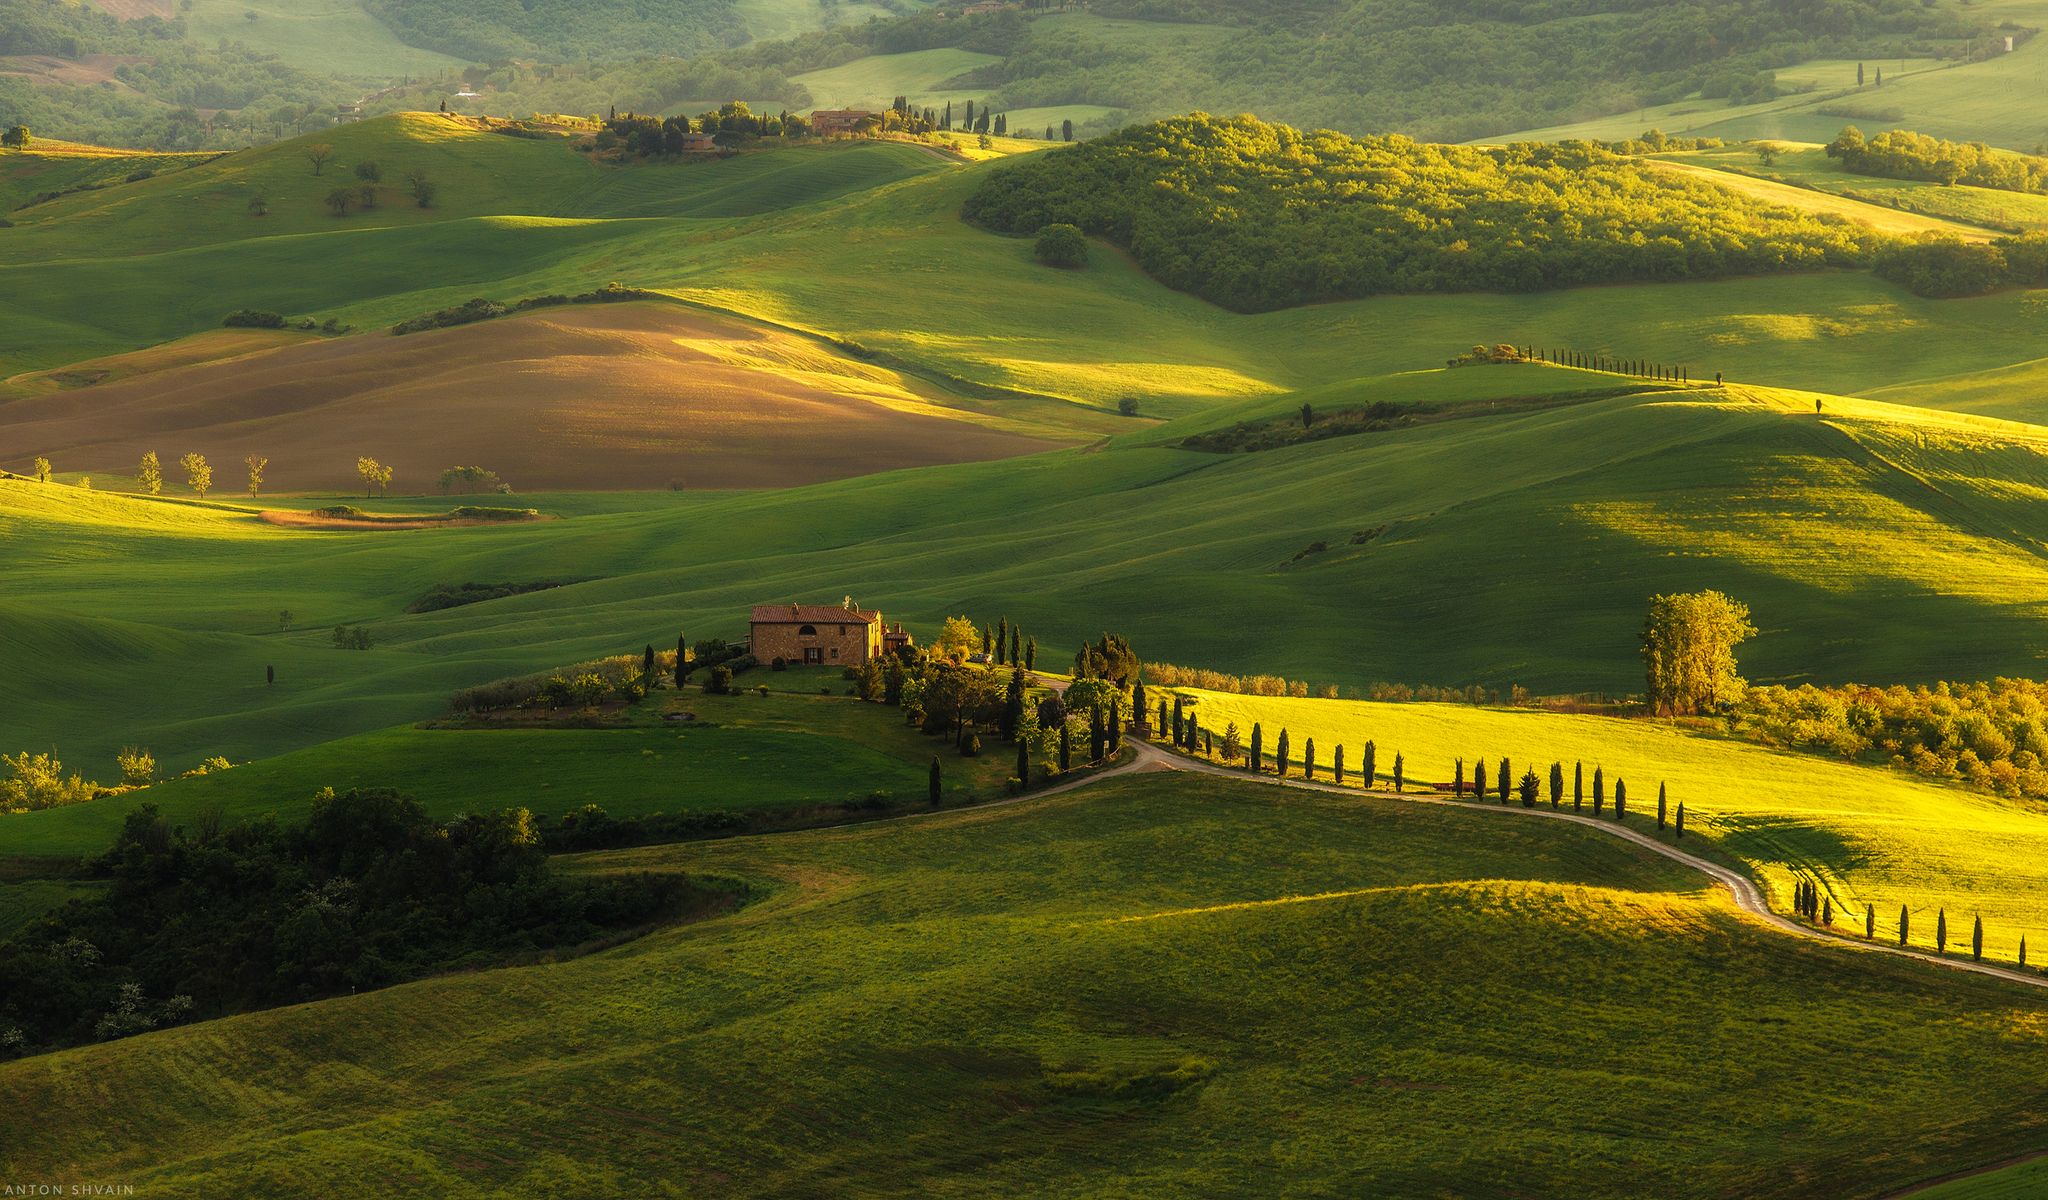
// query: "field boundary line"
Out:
[1747,896]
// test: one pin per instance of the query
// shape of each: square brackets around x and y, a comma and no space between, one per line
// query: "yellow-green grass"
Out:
[26,173]
[1867,836]
[333,37]
[873,81]
[476,172]
[1803,163]
[1877,543]
[1341,996]
[794,747]
[748,185]
[2015,393]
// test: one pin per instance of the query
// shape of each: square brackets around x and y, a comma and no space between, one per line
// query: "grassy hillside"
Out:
[749,185]
[1877,543]
[1867,837]
[2015,393]
[1068,996]
[330,36]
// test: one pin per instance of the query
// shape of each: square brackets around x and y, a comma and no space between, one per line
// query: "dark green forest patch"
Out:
[1257,217]
[455,595]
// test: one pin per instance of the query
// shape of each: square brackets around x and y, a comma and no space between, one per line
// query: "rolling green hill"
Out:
[1188,987]
[1877,543]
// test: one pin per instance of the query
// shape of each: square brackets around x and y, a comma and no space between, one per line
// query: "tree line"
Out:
[1903,154]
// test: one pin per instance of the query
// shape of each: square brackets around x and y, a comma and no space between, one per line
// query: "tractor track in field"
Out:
[1747,896]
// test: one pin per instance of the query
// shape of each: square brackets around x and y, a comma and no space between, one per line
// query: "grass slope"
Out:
[333,37]
[873,81]
[1168,986]
[1806,165]
[1867,837]
[1875,543]
[792,747]
[748,185]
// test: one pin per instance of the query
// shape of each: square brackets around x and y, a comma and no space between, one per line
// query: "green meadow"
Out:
[333,37]
[1174,986]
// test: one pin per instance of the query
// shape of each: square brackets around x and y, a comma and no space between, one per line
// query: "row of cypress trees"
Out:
[1821,912]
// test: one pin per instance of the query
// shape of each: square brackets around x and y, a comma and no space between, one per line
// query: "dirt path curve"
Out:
[1747,897]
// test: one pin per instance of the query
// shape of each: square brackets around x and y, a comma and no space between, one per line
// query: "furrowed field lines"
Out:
[1866,836]
[970,984]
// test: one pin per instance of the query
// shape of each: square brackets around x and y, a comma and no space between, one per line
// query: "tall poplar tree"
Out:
[1258,757]
[1308,759]
[1504,780]
[1280,754]
[1556,786]
[1578,786]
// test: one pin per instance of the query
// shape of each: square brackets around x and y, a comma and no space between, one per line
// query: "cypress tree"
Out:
[1556,786]
[1859,74]
[1016,651]
[1827,911]
[1002,636]
[937,777]
[1870,920]
[1369,765]
[1679,829]
[1941,931]
[1578,786]
[1458,780]
[1164,725]
[682,652]
[1397,770]
[1503,781]
[1013,704]
[1280,755]
[1599,790]
[1115,724]
[2023,952]
[1031,654]
[1178,727]
[1620,799]
[1337,767]
[1095,735]
[1660,807]
[269,674]
[1066,747]
[647,665]
[1977,940]
[1479,778]
[1308,759]
[1208,743]
[1902,924]
[1258,758]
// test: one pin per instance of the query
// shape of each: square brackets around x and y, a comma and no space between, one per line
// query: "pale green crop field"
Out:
[1164,986]
[873,81]
[2015,393]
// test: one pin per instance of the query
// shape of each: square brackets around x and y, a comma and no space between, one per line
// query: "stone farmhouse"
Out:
[822,635]
[838,120]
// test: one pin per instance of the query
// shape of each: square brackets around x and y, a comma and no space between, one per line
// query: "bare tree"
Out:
[256,463]
[319,154]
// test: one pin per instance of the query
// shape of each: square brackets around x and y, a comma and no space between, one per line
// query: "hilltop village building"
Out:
[822,635]
[838,120]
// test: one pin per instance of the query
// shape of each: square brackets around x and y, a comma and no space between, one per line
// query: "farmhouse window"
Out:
[835,653]
[814,655]
[842,631]
[808,631]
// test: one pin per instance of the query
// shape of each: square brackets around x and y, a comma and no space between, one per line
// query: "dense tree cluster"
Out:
[368,892]
[1993,735]
[1903,154]
[1258,217]
[1945,267]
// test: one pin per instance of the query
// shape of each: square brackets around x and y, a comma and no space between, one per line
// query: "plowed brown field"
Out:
[613,397]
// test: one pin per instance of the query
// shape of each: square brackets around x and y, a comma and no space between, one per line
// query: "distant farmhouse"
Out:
[699,141]
[822,635]
[838,120]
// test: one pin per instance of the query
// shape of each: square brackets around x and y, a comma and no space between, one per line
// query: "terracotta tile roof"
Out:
[812,614]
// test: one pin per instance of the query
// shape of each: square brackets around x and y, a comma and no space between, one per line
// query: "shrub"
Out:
[1063,246]
[721,680]
[251,318]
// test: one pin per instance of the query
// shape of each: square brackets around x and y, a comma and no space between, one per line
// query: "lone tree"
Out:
[1458,780]
[937,777]
[1941,931]
[1066,131]
[369,172]
[197,474]
[1903,918]
[1977,940]
[339,199]
[1620,799]
[1660,807]
[1869,916]
[259,206]
[255,463]
[319,154]
[150,474]
[1400,771]
[40,469]
[376,476]
[1062,246]
[17,137]
[1678,829]
[1688,651]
